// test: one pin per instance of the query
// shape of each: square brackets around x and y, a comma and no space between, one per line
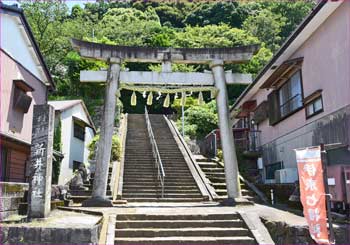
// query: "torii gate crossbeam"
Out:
[214,57]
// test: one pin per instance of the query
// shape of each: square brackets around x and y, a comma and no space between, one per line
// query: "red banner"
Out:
[312,192]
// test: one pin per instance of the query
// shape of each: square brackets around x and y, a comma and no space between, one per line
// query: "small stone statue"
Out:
[80,176]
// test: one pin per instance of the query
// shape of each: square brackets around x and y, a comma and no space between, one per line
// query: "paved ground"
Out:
[206,207]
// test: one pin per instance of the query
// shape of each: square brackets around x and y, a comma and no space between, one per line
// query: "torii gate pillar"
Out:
[226,136]
[98,198]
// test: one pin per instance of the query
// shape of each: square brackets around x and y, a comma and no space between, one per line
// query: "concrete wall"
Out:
[326,66]
[73,148]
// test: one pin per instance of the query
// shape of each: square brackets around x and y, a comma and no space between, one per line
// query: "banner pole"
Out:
[328,200]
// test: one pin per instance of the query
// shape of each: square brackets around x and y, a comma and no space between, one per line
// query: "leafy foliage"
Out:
[267,26]
[200,120]
[127,26]
[154,24]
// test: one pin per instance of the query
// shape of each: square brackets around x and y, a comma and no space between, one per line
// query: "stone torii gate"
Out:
[216,58]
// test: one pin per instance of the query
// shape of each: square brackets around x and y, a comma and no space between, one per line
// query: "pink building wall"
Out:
[326,66]
[14,123]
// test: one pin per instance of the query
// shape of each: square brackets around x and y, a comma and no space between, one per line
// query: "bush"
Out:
[190,129]
[220,155]
[200,120]
[115,151]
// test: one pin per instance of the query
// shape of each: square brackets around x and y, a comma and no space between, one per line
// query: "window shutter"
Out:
[273,105]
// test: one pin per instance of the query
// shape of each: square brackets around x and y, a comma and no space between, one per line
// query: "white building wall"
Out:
[15,41]
[89,135]
[73,148]
[66,132]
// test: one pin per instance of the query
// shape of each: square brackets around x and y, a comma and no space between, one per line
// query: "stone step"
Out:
[141,199]
[186,240]
[147,217]
[201,158]
[216,175]
[172,176]
[167,187]
[151,179]
[217,179]
[152,190]
[213,170]
[178,223]
[207,164]
[158,194]
[154,172]
[215,232]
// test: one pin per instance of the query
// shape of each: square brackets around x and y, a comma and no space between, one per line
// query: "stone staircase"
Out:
[139,179]
[182,229]
[215,172]
[79,196]
[140,175]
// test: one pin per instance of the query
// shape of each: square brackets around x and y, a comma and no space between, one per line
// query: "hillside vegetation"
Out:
[154,24]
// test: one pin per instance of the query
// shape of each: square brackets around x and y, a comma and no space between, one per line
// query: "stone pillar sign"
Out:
[41,162]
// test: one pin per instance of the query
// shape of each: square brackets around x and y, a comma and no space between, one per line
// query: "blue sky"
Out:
[70,3]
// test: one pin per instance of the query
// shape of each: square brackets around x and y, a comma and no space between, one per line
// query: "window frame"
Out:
[291,98]
[312,102]
[78,136]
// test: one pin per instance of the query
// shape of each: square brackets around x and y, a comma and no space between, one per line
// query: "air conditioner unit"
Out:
[286,175]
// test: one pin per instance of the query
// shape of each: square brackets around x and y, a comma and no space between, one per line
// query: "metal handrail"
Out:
[156,155]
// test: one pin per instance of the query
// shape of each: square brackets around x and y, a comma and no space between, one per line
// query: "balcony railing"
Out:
[245,140]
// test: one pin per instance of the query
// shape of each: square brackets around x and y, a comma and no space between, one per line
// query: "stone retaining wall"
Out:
[41,235]
[283,233]
[11,195]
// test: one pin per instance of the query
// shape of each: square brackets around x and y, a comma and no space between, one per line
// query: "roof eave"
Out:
[20,12]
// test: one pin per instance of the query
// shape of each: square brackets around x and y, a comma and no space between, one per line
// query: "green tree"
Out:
[267,27]
[293,12]
[213,36]
[215,13]
[200,120]
[127,26]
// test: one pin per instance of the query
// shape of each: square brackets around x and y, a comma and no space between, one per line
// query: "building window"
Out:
[290,95]
[21,100]
[271,169]
[287,99]
[314,107]
[79,131]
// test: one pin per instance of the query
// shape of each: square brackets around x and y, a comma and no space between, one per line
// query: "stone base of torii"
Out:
[216,58]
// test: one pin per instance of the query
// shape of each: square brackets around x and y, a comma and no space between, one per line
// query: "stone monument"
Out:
[39,195]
